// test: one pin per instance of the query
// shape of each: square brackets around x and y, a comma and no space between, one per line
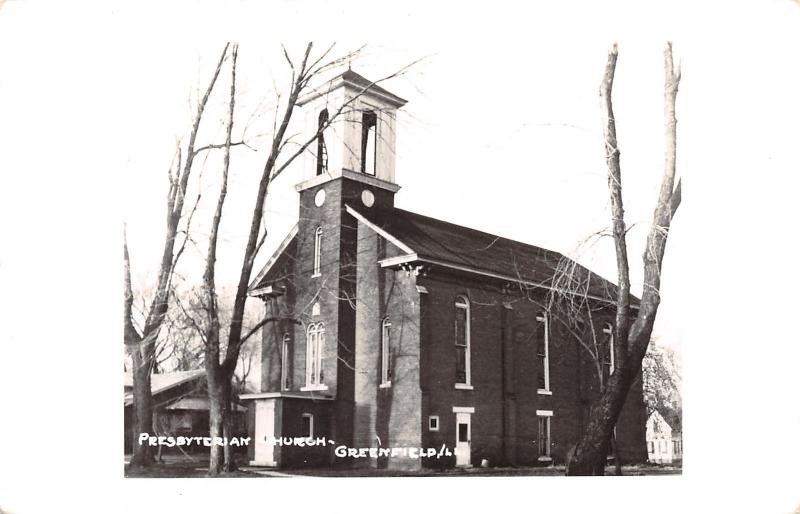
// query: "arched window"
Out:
[322,150]
[543,352]
[315,342]
[317,252]
[285,382]
[386,353]
[369,122]
[462,337]
[608,350]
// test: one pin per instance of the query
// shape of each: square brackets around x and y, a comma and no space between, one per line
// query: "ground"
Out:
[197,466]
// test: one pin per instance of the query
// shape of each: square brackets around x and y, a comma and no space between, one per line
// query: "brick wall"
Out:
[504,370]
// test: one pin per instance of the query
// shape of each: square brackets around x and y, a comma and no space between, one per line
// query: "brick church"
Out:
[396,330]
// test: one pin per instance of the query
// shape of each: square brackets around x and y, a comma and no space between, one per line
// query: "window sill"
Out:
[320,387]
[385,385]
[545,459]
[545,392]
[315,275]
[466,387]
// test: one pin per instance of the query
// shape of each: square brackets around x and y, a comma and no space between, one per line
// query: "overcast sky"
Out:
[501,133]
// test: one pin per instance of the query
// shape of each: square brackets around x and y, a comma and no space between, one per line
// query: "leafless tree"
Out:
[140,342]
[632,332]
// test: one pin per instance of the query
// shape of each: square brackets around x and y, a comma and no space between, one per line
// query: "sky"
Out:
[501,133]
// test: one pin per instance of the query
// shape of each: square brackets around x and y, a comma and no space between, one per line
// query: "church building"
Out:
[400,333]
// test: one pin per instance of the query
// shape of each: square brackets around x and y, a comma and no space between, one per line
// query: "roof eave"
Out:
[414,258]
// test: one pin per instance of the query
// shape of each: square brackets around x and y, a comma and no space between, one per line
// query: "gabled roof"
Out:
[428,240]
[284,251]
[439,242]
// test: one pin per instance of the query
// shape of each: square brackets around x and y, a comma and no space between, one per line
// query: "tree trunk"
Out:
[591,452]
[143,407]
[631,340]
[215,421]
[227,425]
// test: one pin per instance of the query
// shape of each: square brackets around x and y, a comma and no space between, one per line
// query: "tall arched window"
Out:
[608,350]
[317,252]
[386,353]
[369,122]
[462,340]
[543,352]
[322,150]
[285,382]
[315,343]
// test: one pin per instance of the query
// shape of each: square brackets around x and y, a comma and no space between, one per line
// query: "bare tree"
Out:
[631,332]
[141,342]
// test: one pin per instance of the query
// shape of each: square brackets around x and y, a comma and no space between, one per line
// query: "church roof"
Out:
[440,243]
[436,241]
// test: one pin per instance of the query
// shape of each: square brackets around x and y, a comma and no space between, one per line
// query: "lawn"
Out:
[196,467]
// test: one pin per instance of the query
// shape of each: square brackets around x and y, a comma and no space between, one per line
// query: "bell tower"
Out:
[349,167]
[358,139]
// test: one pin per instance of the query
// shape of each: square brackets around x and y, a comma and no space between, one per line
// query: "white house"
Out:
[664,445]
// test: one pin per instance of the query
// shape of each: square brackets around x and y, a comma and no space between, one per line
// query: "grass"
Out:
[197,467]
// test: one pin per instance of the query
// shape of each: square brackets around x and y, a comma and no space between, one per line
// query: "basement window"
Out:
[369,122]
[433,423]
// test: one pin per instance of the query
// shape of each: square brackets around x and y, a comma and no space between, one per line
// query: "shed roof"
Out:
[160,382]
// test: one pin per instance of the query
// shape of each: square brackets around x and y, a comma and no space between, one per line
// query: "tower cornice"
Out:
[348,174]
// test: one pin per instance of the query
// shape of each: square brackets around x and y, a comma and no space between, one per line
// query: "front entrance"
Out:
[264,454]
[463,439]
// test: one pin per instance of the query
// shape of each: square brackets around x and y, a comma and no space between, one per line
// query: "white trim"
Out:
[544,392]
[355,176]
[275,255]
[544,413]
[398,259]
[270,290]
[438,424]
[385,385]
[319,387]
[422,289]
[467,387]
[379,230]
[465,410]
[371,89]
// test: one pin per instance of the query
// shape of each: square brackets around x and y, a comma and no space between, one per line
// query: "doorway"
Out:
[463,439]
